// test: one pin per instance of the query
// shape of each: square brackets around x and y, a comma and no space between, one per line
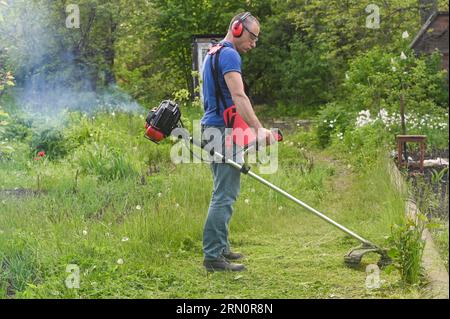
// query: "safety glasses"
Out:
[253,36]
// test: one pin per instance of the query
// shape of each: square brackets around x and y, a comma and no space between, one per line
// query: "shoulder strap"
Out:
[214,52]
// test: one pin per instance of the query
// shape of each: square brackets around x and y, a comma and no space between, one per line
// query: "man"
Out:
[223,88]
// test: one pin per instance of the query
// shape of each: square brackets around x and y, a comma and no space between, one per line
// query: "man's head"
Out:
[243,32]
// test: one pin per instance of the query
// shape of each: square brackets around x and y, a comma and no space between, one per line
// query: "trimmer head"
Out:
[353,258]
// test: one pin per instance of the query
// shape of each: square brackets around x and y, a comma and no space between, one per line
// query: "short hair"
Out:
[247,21]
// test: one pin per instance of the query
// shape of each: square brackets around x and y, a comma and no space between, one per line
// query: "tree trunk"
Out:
[110,53]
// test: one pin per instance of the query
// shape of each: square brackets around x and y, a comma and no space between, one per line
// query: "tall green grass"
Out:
[140,236]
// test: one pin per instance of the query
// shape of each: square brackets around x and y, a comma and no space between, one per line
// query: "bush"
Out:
[51,141]
[16,130]
[332,118]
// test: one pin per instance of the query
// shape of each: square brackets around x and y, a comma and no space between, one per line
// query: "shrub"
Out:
[16,130]
[52,141]
[332,118]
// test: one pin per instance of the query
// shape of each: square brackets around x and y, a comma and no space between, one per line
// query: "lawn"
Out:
[138,234]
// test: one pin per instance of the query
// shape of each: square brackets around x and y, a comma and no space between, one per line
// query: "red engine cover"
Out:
[154,135]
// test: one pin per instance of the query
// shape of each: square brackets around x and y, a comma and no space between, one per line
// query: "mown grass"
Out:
[152,220]
[441,236]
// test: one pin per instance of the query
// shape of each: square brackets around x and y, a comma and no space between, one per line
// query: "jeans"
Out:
[226,189]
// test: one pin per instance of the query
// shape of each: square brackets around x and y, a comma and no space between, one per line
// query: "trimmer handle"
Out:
[278,135]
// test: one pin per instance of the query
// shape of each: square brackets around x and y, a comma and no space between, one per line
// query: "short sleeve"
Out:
[230,61]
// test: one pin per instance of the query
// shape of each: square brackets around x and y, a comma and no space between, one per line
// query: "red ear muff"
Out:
[237,28]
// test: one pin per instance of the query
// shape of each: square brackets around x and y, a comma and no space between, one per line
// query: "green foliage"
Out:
[6,80]
[377,80]
[51,141]
[3,117]
[437,176]
[407,248]
[83,219]
[108,163]
[304,76]
[333,117]
[303,53]
[17,129]
[18,268]
[441,236]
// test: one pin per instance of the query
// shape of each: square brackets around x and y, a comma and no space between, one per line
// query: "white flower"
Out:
[280,208]
[120,261]
[403,56]
[138,207]
[247,201]
[383,115]
[113,114]
[85,232]
[405,35]
[125,239]
[177,205]
[363,118]
[394,69]
[159,194]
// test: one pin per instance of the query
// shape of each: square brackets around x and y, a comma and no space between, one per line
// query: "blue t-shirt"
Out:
[229,60]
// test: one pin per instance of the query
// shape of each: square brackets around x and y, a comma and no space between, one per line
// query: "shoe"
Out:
[222,264]
[233,256]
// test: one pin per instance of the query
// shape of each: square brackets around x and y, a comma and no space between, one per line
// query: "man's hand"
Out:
[267,136]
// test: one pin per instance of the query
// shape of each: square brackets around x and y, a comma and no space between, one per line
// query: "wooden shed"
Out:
[433,35]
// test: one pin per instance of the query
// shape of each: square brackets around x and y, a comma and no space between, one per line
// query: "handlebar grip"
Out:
[278,135]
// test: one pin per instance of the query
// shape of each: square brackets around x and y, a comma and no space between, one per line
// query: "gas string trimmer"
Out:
[160,123]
